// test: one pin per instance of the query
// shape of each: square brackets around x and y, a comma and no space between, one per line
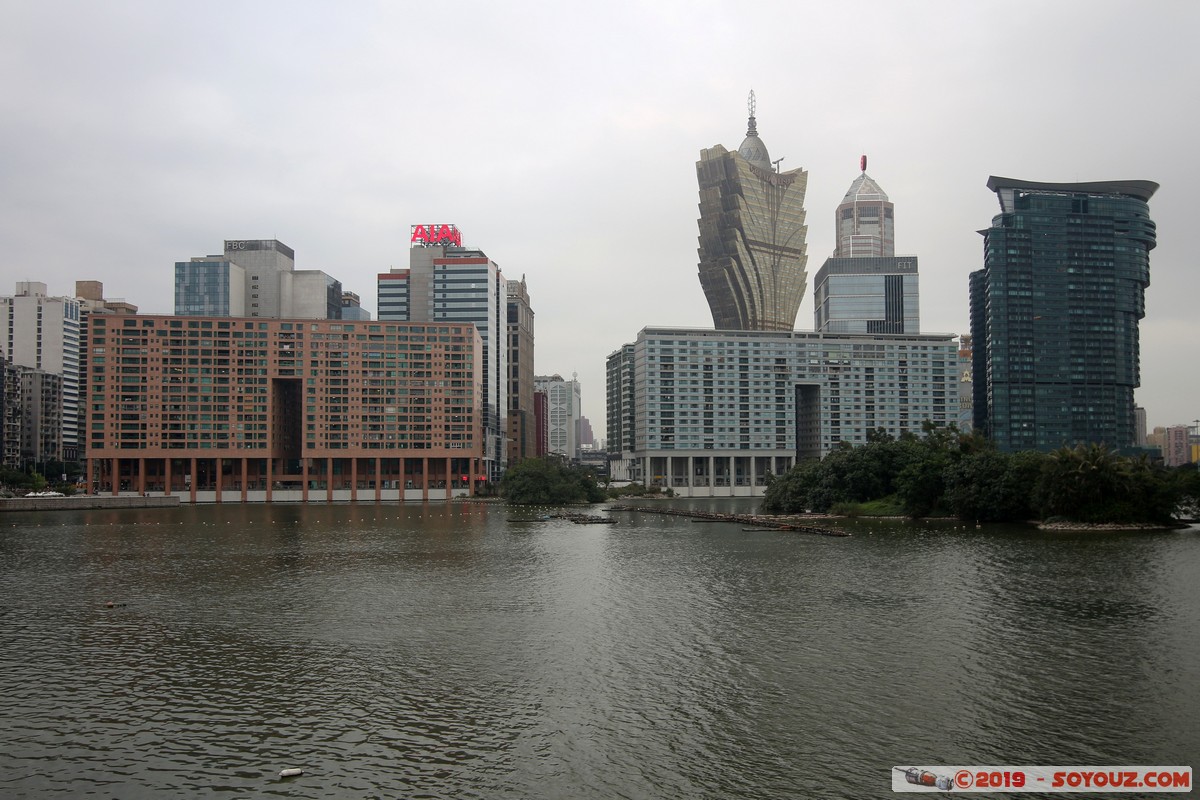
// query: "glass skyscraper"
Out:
[865,287]
[1055,311]
[752,236]
[448,283]
[209,287]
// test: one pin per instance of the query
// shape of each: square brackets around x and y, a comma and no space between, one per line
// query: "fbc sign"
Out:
[436,235]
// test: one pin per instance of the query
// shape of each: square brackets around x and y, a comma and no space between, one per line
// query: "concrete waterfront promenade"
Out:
[82,502]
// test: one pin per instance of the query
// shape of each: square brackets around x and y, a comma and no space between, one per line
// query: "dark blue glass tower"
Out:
[1055,311]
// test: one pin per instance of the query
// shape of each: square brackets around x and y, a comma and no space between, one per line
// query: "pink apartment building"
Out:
[244,410]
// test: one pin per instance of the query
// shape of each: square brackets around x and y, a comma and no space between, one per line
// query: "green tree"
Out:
[791,493]
[989,486]
[1090,483]
[545,481]
[1186,480]
[920,482]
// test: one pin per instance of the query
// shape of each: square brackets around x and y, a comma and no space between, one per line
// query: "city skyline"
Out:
[120,157]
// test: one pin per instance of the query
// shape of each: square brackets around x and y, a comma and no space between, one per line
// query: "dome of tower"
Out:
[753,149]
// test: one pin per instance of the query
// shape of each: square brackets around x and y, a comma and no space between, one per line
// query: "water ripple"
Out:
[446,651]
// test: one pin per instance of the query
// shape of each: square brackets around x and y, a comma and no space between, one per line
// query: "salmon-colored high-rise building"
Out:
[235,409]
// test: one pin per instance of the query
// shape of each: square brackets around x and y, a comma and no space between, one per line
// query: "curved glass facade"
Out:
[1055,311]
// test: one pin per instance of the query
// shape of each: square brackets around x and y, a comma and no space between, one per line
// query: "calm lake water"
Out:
[472,651]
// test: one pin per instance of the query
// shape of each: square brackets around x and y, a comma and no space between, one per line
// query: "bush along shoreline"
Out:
[947,473]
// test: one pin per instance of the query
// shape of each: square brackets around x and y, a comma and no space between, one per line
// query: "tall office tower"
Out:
[1139,421]
[562,413]
[865,219]
[1176,450]
[42,333]
[966,384]
[264,264]
[42,428]
[522,428]
[352,308]
[620,402]
[210,286]
[10,414]
[541,422]
[865,287]
[255,278]
[446,282]
[587,438]
[752,249]
[1055,310]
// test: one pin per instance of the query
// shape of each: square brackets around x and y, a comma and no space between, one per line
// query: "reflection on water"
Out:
[465,650]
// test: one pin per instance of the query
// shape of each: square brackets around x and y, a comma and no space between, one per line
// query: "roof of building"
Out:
[753,149]
[864,188]
[1142,190]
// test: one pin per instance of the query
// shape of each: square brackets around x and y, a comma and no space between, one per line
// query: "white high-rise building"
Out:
[713,413]
[562,412]
[42,332]
[446,282]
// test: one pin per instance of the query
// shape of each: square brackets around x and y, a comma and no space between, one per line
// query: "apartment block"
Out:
[238,409]
[713,413]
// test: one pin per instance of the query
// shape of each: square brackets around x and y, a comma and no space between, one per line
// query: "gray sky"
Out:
[562,138]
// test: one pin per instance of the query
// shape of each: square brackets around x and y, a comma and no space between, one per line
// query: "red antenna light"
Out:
[862,163]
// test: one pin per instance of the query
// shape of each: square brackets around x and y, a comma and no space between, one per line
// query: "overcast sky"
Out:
[561,138]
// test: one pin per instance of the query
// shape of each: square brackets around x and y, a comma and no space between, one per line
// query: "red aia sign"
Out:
[431,235]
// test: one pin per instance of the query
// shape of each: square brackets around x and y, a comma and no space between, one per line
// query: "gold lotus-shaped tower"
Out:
[752,232]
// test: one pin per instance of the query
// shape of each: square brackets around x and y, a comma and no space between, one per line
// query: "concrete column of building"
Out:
[304,480]
[474,464]
[353,479]
[712,476]
[218,484]
[195,481]
[379,480]
[245,476]
[753,475]
[329,479]
[167,476]
[141,462]
[424,478]
[270,477]
[449,481]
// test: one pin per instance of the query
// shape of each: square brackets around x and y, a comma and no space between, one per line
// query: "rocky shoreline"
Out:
[1101,527]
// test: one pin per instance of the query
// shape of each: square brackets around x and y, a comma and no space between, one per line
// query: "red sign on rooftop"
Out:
[436,235]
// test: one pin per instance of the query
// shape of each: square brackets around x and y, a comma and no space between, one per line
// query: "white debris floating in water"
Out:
[290,773]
